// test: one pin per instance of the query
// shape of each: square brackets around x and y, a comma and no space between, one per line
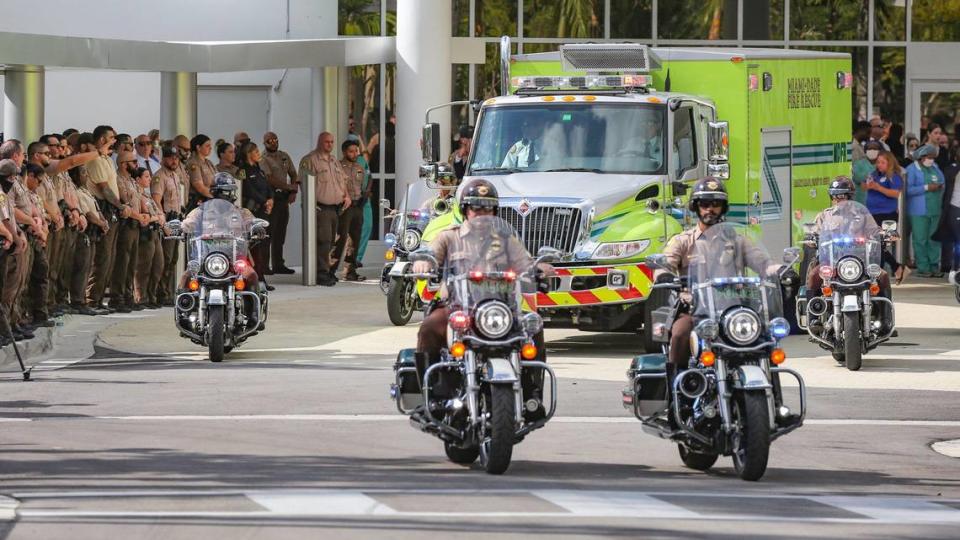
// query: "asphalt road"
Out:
[127,431]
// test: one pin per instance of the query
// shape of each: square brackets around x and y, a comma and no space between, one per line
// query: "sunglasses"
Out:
[144,143]
[710,204]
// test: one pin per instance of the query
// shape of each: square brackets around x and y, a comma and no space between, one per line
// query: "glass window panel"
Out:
[889,83]
[936,20]
[631,19]
[563,18]
[529,48]
[829,19]
[363,89]
[697,19]
[359,18]
[488,74]
[891,20]
[763,19]
[461,18]
[859,60]
[941,108]
[391,17]
[495,18]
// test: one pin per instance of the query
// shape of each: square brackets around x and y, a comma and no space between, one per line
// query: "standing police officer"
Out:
[282,176]
[167,191]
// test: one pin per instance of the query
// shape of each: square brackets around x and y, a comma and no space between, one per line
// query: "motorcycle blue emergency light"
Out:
[780,328]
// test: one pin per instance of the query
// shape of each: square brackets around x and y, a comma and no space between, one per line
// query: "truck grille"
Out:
[554,226]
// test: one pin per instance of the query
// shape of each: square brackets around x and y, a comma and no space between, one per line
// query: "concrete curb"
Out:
[8,508]
[949,448]
[42,343]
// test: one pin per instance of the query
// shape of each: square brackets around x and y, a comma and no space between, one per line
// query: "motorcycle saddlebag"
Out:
[408,378]
[650,390]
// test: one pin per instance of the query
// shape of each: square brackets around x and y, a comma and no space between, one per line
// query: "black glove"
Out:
[543,283]
[666,277]
[789,277]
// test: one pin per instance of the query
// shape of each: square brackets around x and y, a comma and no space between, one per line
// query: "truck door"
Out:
[776,165]
[685,145]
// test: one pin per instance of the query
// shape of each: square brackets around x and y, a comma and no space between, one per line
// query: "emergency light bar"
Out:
[583,82]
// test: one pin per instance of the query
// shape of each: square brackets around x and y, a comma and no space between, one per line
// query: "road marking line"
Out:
[947,448]
[893,510]
[8,508]
[613,504]
[313,503]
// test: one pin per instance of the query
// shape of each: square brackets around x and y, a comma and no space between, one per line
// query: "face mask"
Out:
[872,154]
[927,162]
[146,191]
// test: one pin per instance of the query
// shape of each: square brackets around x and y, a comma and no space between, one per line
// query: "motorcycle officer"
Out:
[448,180]
[479,198]
[709,202]
[224,187]
[841,191]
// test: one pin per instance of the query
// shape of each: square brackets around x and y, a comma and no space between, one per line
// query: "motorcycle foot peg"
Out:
[532,405]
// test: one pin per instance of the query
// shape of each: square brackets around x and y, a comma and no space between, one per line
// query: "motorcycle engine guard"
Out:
[216,298]
[751,378]
[500,370]
[850,303]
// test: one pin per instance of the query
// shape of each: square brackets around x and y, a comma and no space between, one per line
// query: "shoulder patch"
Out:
[193,167]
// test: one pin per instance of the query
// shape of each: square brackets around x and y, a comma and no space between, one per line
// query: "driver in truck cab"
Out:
[527,151]
[709,202]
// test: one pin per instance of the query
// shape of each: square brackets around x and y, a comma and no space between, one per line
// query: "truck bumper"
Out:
[579,286]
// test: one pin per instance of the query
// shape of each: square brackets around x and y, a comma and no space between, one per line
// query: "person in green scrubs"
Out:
[924,197]
[367,206]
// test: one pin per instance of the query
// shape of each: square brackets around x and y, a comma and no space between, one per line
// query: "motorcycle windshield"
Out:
[849,231]
[220,229]
[486,262]
[729,271]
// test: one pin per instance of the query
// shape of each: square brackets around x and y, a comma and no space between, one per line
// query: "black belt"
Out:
[328,206]
[357,202]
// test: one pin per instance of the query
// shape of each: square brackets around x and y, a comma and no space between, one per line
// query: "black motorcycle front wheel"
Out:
[851,340]
[401,299]
[215,341]
[751,439]
[699,461]
[496,448]
[461,456]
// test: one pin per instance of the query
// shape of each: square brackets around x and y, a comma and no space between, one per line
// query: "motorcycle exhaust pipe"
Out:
[816,307]
[186,302]
[693,384]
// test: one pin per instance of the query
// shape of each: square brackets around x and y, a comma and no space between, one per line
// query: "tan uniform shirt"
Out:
[200,170]
[129,192]
[38,203]
[88,203]
[331,182]
[501,253]
[679,251]
[67,189]
[168,183]
[149,206]
[101,171]
[49,198]
[826,218]
[6,208]
[353,172]
[232,169]
[278,167]
[21,197]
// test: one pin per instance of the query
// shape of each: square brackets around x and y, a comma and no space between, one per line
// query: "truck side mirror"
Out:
[719,141]
[679,188]
[431,143]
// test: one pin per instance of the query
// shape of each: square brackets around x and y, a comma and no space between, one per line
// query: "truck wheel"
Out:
[401,298]
[851,340]
[657,298]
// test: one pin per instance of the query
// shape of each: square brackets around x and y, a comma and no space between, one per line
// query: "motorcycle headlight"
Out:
[532,323]
[826,272]
[874,270]
[708,329]
[620,250]
[849,269]
[780,328]
[742,326]
[494,320]
[411,240]
[217,265]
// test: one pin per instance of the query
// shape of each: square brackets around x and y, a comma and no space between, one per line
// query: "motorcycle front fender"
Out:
[751,378]
[850,303]
[217,298]
[500,371]
[399,268]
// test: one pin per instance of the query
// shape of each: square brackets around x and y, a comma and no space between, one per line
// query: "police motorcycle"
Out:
[406,233]
[849,317]
[474,399]
[730,401]
[216,309]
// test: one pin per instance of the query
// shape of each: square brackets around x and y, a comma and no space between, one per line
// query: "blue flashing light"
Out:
[780,328]
[390,240]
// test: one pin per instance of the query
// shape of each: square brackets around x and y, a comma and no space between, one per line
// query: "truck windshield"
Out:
[596,137]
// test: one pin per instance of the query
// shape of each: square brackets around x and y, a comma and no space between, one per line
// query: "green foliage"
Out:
[936,20]
[829,19]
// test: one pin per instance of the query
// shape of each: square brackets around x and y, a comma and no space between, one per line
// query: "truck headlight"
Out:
[620,250]
[217,265]
[411,240]
[494,320]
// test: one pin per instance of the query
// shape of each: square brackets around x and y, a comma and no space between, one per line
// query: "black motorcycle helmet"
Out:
[709,189]
[479,193]
[841,187]
[224,187]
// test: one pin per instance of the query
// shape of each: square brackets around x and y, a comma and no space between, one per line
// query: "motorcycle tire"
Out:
[401,301]
[496,449]
[839,357]
[657,298]
[851,340]
[461,456]
[956,292]
[215,341]
[699,461]
[751,448]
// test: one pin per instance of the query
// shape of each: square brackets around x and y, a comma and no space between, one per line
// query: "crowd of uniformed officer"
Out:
[83,216]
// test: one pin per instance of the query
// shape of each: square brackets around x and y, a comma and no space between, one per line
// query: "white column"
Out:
[424,79]
[23,103]
[178,104]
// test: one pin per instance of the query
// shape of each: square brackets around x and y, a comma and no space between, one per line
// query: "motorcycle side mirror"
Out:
[889,226]
[791,255]
[657,260]
[385,205]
